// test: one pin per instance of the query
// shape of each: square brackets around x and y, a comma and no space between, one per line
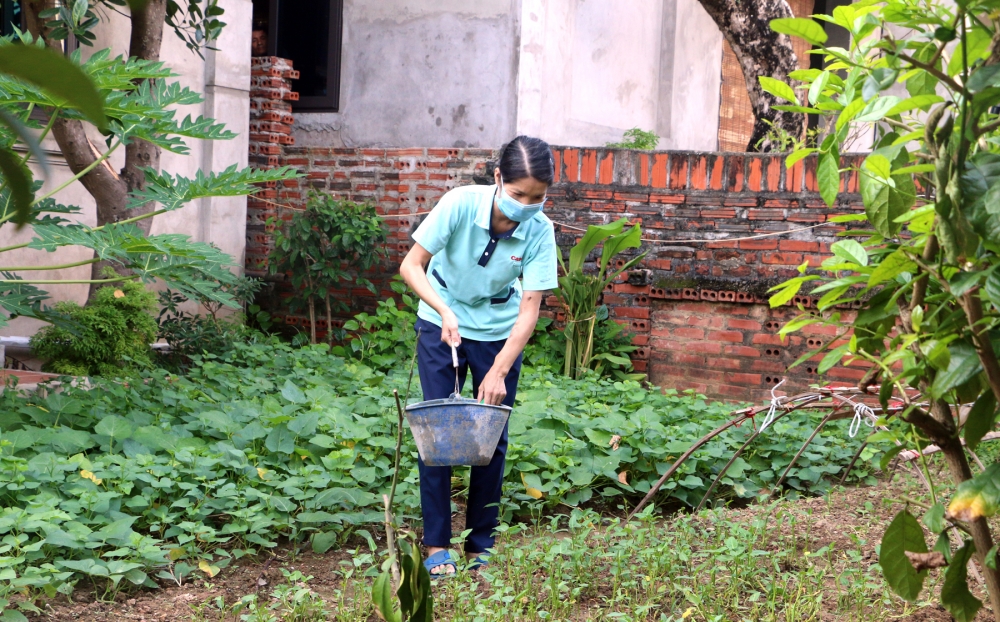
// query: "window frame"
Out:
[315,103]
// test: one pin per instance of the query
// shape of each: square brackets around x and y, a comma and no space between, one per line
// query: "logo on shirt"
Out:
[515,258]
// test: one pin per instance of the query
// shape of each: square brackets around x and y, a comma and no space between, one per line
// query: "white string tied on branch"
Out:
[772,412]
[862,412]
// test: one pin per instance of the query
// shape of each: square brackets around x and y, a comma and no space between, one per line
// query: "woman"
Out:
[465,264]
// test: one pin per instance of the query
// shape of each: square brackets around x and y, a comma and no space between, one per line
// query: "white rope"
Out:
[772,412]
[862,412]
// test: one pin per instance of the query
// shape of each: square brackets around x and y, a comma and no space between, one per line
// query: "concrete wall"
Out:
[590,70]
[462,74]
[435,73]
[224,79]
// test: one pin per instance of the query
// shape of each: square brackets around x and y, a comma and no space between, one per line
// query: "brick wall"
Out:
[697,309]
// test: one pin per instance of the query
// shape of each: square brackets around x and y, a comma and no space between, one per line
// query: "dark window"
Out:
[10,16]
[308,32]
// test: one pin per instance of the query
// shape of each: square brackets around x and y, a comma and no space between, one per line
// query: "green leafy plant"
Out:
[110,336]
[612,347]
[636,138]
[579,291]
[193,333]
[924,265]
[134,111]
[386,339]
[330,243]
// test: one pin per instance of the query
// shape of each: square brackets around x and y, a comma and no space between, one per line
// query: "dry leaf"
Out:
[85,474]
[175,554]
[261,472]
[615,440]
[119,293]
[922,561]
[623,477]
[208,569]
[534,493]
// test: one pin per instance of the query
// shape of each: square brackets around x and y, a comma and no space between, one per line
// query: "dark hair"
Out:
[526,157]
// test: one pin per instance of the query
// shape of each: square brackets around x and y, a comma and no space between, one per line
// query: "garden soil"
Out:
[840,519]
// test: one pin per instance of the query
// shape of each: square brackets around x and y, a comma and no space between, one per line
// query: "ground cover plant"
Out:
[924,264]
[173,477]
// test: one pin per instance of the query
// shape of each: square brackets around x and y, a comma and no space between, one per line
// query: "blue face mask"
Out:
[514,209]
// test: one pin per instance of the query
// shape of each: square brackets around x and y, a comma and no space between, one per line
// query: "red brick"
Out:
[688,333]
[588,166]
[724,363]
[659,173]
[625,288]
[606,175]
[718,166]
[755,177]
[699,180]
[774,166]
[735,181]
[731,336]
[784,259]
[678,171]
[683,358]
[557,164]
[739,324]
[800,246]
[762,244]
[765,339]
[631,312]
[571,164]
[744,351]
[744,379]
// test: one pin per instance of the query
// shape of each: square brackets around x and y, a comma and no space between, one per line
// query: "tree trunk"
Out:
[312,320]
[761,52]
[329,320]
[110,190]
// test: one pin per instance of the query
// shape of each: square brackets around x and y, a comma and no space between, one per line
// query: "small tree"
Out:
[329,243]
[926,266]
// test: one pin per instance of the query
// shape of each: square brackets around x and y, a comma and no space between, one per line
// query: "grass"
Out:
[785,560]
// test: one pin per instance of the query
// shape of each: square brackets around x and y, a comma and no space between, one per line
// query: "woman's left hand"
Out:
[492,390]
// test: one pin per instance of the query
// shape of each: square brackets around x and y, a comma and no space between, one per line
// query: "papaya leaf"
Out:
[903,534]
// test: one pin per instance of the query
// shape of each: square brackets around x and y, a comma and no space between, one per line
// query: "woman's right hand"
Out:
[449,329]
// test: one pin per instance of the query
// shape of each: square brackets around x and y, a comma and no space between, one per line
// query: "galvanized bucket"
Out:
[456,431]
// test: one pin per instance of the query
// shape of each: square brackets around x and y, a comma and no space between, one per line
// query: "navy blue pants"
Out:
[437,378]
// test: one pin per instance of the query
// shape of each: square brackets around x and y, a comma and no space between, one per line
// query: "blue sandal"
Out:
[441,558]
[481,561]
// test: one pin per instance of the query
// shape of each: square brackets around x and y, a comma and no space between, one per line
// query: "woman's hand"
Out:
[449,328]
[492,390]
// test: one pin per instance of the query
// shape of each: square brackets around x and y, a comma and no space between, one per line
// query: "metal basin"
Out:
[458,431]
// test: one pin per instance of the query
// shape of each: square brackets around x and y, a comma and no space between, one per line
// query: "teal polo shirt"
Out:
[475,272]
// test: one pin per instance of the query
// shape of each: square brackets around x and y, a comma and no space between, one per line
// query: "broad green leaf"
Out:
[832,359]
[877,109]
[280,440]
[955,594]
[903,534]
[794,157]
[885,202]
[56,74]
[850,111]
[828,175]
[292,393]
[891,266]
[888,456]
[18,180]
[963,365]
[934,518]
[323,541]
[850,250]
[984,77]
[114,426]
[962,282]
[978,45]
[800,27]
[382,598]
[595,235]
[778,88]
[978,497]
[912,103]
[982,417]
[816,88]
[618,243]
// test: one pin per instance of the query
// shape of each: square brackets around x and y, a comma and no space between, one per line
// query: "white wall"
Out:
[224,79]
[591,69]
[428,73]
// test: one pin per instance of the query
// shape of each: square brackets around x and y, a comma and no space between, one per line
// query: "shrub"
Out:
[637,139]
[191,333]
[108,337]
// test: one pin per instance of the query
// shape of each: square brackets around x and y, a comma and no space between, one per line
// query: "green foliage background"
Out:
[110,336]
